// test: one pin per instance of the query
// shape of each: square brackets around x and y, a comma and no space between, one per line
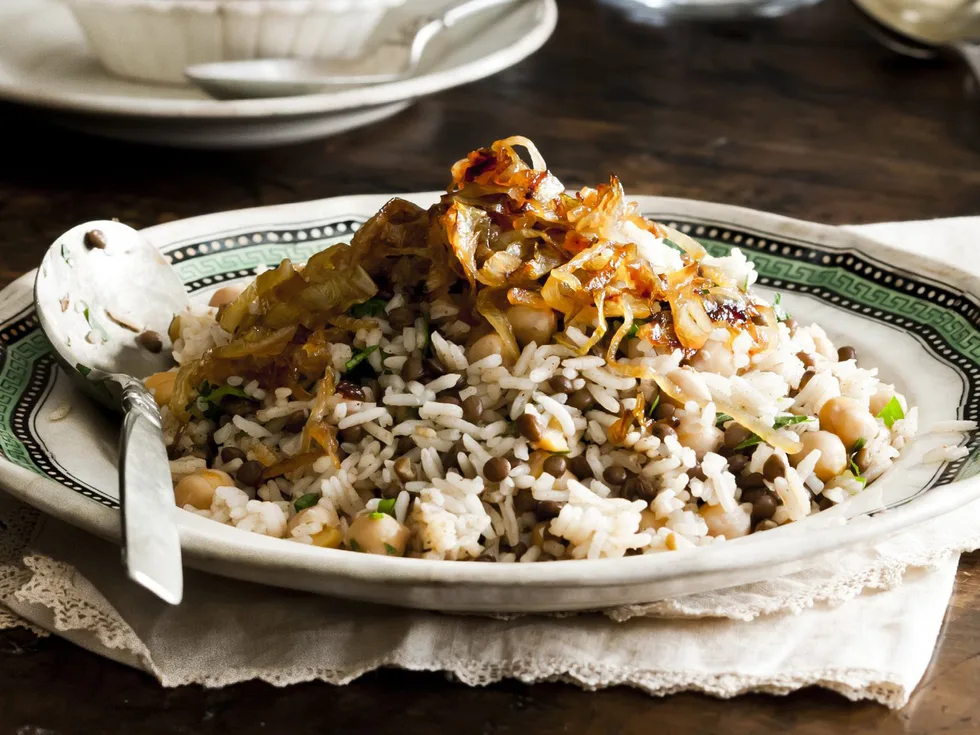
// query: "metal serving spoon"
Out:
[105,297]
[397,59]
[908,30]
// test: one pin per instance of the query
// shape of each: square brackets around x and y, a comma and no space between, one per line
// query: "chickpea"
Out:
[198,489]
[730,524]
[328,538]
[702,439]
[378,533]
[532,325]
[161,385]
[488,344]
[715,357]
[833,455]
[225,295]
[314,514]
[882,396]
[848,419]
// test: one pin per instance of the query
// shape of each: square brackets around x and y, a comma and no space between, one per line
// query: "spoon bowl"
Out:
[922,36]
[105,298]
[397,59]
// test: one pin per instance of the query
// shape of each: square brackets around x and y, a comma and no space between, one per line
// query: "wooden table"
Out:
[803,116]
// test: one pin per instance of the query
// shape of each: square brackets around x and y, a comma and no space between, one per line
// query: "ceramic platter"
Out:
[45,63]
[915,318]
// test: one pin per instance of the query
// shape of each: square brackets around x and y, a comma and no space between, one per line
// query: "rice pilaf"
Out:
[516,374]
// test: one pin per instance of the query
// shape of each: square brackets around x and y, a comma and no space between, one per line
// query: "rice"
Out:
[457,423]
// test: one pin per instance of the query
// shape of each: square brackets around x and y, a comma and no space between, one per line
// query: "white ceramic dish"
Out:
[155,40]
[45,63]
[915,318]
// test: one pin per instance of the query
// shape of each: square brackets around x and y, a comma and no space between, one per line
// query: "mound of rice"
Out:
[418,440]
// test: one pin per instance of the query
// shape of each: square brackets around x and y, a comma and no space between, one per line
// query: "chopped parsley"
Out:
[354,546]
[852,465]
[392,551]
[634,328]
[779,423]
[425,332]
[66,254]
[892,412]
[387,507]
[653,405]
[83,369]
[376,516]
[358,358]
[306,501]
[371,307]
[210,397]
[777,308]
[722,418]
[782,421]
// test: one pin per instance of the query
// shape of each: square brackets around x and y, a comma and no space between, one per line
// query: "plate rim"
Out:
[205,542]
[287,107]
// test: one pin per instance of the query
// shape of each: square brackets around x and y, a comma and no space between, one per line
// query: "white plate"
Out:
[914,318]
[45,63]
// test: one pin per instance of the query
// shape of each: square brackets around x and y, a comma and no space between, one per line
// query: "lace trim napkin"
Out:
[863,623]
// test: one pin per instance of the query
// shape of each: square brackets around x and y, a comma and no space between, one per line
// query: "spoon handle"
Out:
[151,543]
[971,55]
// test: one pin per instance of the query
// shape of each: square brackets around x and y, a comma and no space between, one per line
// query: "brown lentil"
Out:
[807,377]
[473,409]
[519,550]
[404,470]
[735,434]
[529,427]
[792,325]
[496,469]
[579,466]
[404,445]
[615,475]
[150,341]
[846,353]
[665,410]
[662,431]
[401,317]
[95,240]
[250,473]
[433,368]
[763,506]
[774,467]
[754,479]
[295,421]
[350,390]
[230,454]
[352,434]
[806,359]
[555,465]
[548,509]
[451,400]
[737,463]
[412,369]
[561,384]
[524,502]
[581,399]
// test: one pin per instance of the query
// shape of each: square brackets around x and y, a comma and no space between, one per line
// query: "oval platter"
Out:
[917,319]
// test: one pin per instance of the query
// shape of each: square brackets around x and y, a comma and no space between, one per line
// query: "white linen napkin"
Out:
[863,623]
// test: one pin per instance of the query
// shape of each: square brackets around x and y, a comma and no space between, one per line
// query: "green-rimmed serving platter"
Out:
[917,319]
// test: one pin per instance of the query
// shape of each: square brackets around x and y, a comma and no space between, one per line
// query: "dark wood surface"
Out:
[803,116]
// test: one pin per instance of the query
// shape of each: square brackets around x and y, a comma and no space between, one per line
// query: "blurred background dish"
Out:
[154,40]
[45,63]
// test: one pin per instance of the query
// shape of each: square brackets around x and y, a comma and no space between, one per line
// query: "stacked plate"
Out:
[46,63]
